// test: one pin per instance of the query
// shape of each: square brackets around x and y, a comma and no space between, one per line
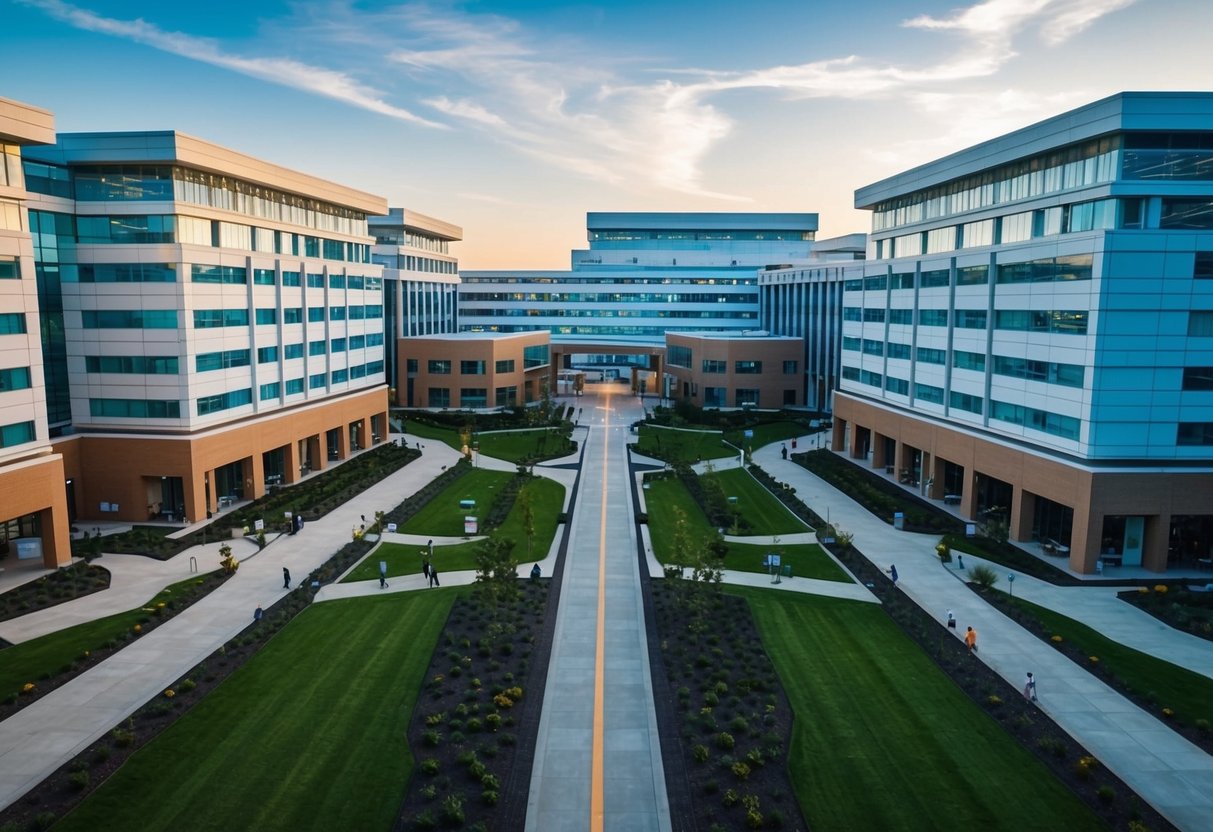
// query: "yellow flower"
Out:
[1161,589]
[28,687]
[170,693]
[1143,590]
[1056,639]
[1093,659]
[1168,713]
[138,628]
[160,606]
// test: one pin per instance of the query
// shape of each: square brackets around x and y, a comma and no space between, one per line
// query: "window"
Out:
[128,319]
[972,276]
[896,350]
[337,345]
[315,314]
[273,390]
[873,316]
[233,275]
[941,239]
[713,366]
[965,401]
[897,385]
[317,348]
[1067,427]
[16,434]
[901,316]
[315,281]
[974,234]
[536,356]
[747,367]
[357,342]
[336,313]
[336,281]
[873,347]
[876,283]
[127,273]
[267,355]
[263,277]
[212,318]
[1198,378]
[975,361]
[970,319]
[935,278]
[926,355]
[744,397]
[852,313]
[317,380]
[292,351]
[1049,269]
[851,344]
[853,285]
[1016,227]
[932,317]
[134,409]
[505,365]
[224,401]
[267,316]
[439,367]
[221,360]
[137,364]
[1202,269]
[292,315]
[14,378]
[1189,433]
[294,386]
[714,396]
[678,356]
[290,279]
[473,397]
[471,368]
[1059,322]
[871,379]
[1067,375]
[928,393]
[790,367]
[506,396]
[10,268]
[440,397]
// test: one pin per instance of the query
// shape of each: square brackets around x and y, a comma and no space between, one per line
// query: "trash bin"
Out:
[787,570]
[899,520]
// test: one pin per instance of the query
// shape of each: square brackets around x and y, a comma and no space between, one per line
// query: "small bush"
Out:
[984,576]
[700,753]
[741,771]
[1106,794]
[78,780]
[452,810]
[429,767]
[725,741]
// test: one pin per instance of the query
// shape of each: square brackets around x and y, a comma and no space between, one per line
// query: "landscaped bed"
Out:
[34,668]
[682,445]
[59,586]
[763,513]
[1178,606]
[1181,698]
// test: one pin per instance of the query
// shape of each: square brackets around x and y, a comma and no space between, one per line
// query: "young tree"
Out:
[497,573]
[528,517]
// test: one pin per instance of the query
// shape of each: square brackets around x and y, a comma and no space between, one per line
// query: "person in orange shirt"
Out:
[971,639]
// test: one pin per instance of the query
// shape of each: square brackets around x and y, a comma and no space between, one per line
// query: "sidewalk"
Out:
[1170,773]
[38,739]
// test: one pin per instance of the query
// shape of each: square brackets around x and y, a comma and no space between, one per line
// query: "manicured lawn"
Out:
[517,445]
[310,734]
[547,498]
[764,513]
[440,434]
[53,653]
[1188,694]
[767,433]
[807,560]
[884,740]
[683,445]
[443,517]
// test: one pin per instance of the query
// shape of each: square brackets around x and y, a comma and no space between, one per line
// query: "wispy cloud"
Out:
[285,71]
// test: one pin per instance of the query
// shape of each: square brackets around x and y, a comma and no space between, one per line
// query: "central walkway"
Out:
[598,758]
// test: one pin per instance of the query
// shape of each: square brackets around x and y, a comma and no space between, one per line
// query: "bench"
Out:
[951,499]
[1111,560]
[226,500]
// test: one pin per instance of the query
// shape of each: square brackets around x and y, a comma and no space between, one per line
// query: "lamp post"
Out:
[1011,584]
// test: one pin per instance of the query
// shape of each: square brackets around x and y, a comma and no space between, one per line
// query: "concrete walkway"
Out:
[598,756]
[38,739]
[1169,772]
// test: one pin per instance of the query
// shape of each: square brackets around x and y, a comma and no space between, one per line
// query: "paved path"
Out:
[598,758]
[38,739]
[1170,773]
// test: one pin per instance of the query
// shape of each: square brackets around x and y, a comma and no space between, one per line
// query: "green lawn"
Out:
[807,560]
[439,434]
[54,653]
[310,734]
[517,445]
[1188,694]
[884,740]
[547,500]
[767,433]
[682,445]
[443,517]
[764,513]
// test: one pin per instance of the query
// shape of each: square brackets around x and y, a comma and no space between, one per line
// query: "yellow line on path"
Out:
[596,775]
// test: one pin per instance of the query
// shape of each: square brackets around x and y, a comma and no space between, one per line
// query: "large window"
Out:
[929,355]
[224,401]
[928,393]
[536,356]
[14,378]
[134,409]
[505,365]
[507,396]
[1200,323]
[267,316]
[225,360]
[473,397]
[219,274]
[965,401]
[747,367]
[267,355]
[678,356]
[963,360]
[970,319]
[1051,372]
[711,365]
[10,268]
[215,318]
[471,368]
[1074,267]
[134,364]
[935,278]
[439,367]
[125,273]
[440,397]
[1194,433]
[123,182]
[1198,378]
[16,434]
[1060,322]
[932,317]
[129,318]
[744,397]
[1067,427]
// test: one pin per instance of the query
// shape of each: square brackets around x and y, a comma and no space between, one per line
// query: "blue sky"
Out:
[514,119]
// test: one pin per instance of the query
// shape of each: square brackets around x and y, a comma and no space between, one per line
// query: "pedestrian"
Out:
[425,567]
[535,573]
[785,450]
[363,517]
[951,621]
[383,576]
[286,578]
[893,573]
[434,576]
[430,546]
[1029,687]
[257,613]
[971,639]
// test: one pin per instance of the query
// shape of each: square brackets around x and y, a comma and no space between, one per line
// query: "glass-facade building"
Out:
[1032,337]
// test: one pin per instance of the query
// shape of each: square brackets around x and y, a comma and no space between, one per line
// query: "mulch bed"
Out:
[58,587]
[1107,795]
[1202,739]
[725,721]
[1188,612]
[473,729]
[172,607]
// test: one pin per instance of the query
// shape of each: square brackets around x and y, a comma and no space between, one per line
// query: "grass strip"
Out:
[310,734]
[443,515]
[765,514]
[884,740]
[687,446]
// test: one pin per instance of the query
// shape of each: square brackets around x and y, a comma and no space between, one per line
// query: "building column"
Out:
[290,462]
[194,495]
[1156,543]
[343,442]
[1084,546]
[56,537]
[937,490]
[254,476]
[317,452]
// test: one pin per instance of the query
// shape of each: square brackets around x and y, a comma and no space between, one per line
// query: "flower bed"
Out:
[1176,606]
[62,585]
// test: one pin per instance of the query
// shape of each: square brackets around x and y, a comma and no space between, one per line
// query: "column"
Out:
[290,462]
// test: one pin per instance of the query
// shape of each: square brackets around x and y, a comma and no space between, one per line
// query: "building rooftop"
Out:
[415,221]
[660,221]
[22,123]
[1165,111]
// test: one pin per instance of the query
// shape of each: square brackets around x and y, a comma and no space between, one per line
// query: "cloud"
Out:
[285,71]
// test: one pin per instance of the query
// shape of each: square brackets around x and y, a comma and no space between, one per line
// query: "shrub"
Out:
[730,798]
[741,771]
[1106,793]
[984,576]
[490,797]
[78,780]
[700,753]
[452,810]
[724,740]
[431,738]
[1056,639]
[123,738]
[429,767]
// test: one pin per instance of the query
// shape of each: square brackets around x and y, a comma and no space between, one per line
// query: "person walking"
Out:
[382,575]
[951,621]
[286,578]
[971,639]
[784,451]
[425,568]
[893,573]
[535,573]
[433,576]
[1029,687]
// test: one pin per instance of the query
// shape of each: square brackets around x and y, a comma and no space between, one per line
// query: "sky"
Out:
[514,119]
